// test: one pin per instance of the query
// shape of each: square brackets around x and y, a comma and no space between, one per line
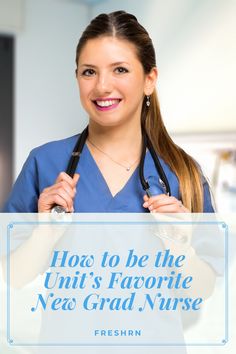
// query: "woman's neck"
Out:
[119,140]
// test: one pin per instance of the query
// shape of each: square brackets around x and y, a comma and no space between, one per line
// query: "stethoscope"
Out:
[146,144]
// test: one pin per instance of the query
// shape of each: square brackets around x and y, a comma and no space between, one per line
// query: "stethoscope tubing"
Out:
[75,156]
[146,143]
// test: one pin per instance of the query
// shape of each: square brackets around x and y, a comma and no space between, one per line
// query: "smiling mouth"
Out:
[107,103]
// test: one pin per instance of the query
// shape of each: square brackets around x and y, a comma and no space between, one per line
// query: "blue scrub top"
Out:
[93,195]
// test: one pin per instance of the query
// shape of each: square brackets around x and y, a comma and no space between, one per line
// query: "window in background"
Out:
[6,115]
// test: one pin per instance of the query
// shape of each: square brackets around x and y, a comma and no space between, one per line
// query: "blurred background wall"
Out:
[195,43]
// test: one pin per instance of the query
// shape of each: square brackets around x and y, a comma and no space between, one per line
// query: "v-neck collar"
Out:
[101,178]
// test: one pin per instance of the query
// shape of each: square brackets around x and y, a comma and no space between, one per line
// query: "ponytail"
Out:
[183,165]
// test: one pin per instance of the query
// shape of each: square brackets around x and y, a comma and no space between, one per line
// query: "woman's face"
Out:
[112,82]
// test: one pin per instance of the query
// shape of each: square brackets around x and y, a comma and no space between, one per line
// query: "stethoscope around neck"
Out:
[146,144]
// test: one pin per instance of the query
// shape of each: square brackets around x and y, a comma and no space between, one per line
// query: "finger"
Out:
[72,182]
[63,176]
[61,190]
[61,193]
[60,200]
[171,208]
[67,182]
[60,197]
[47,201]
[156,198]
[164,202]
[62,187]
[76,178]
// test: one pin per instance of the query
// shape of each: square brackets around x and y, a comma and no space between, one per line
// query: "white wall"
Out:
[195,43]
[46,96]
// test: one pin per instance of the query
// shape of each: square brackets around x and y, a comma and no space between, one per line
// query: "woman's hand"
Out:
[164,204]
[61,193]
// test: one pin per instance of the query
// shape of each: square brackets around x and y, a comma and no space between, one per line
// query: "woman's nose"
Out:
[103,84]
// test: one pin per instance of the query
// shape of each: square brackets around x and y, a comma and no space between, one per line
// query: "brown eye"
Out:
[88,72]
[121,70]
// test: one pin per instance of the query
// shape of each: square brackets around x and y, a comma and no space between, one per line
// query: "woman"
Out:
[116,73]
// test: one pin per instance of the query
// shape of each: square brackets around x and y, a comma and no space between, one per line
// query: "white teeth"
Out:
[107,103]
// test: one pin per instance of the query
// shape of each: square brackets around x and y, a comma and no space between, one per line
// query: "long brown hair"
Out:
[123,25]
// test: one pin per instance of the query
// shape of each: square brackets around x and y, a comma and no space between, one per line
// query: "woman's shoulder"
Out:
[55,147]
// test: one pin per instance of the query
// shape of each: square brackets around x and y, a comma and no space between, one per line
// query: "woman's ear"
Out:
[150,81]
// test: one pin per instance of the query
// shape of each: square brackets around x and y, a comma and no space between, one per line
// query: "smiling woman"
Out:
[127,163]
[107,84]
[116,74]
